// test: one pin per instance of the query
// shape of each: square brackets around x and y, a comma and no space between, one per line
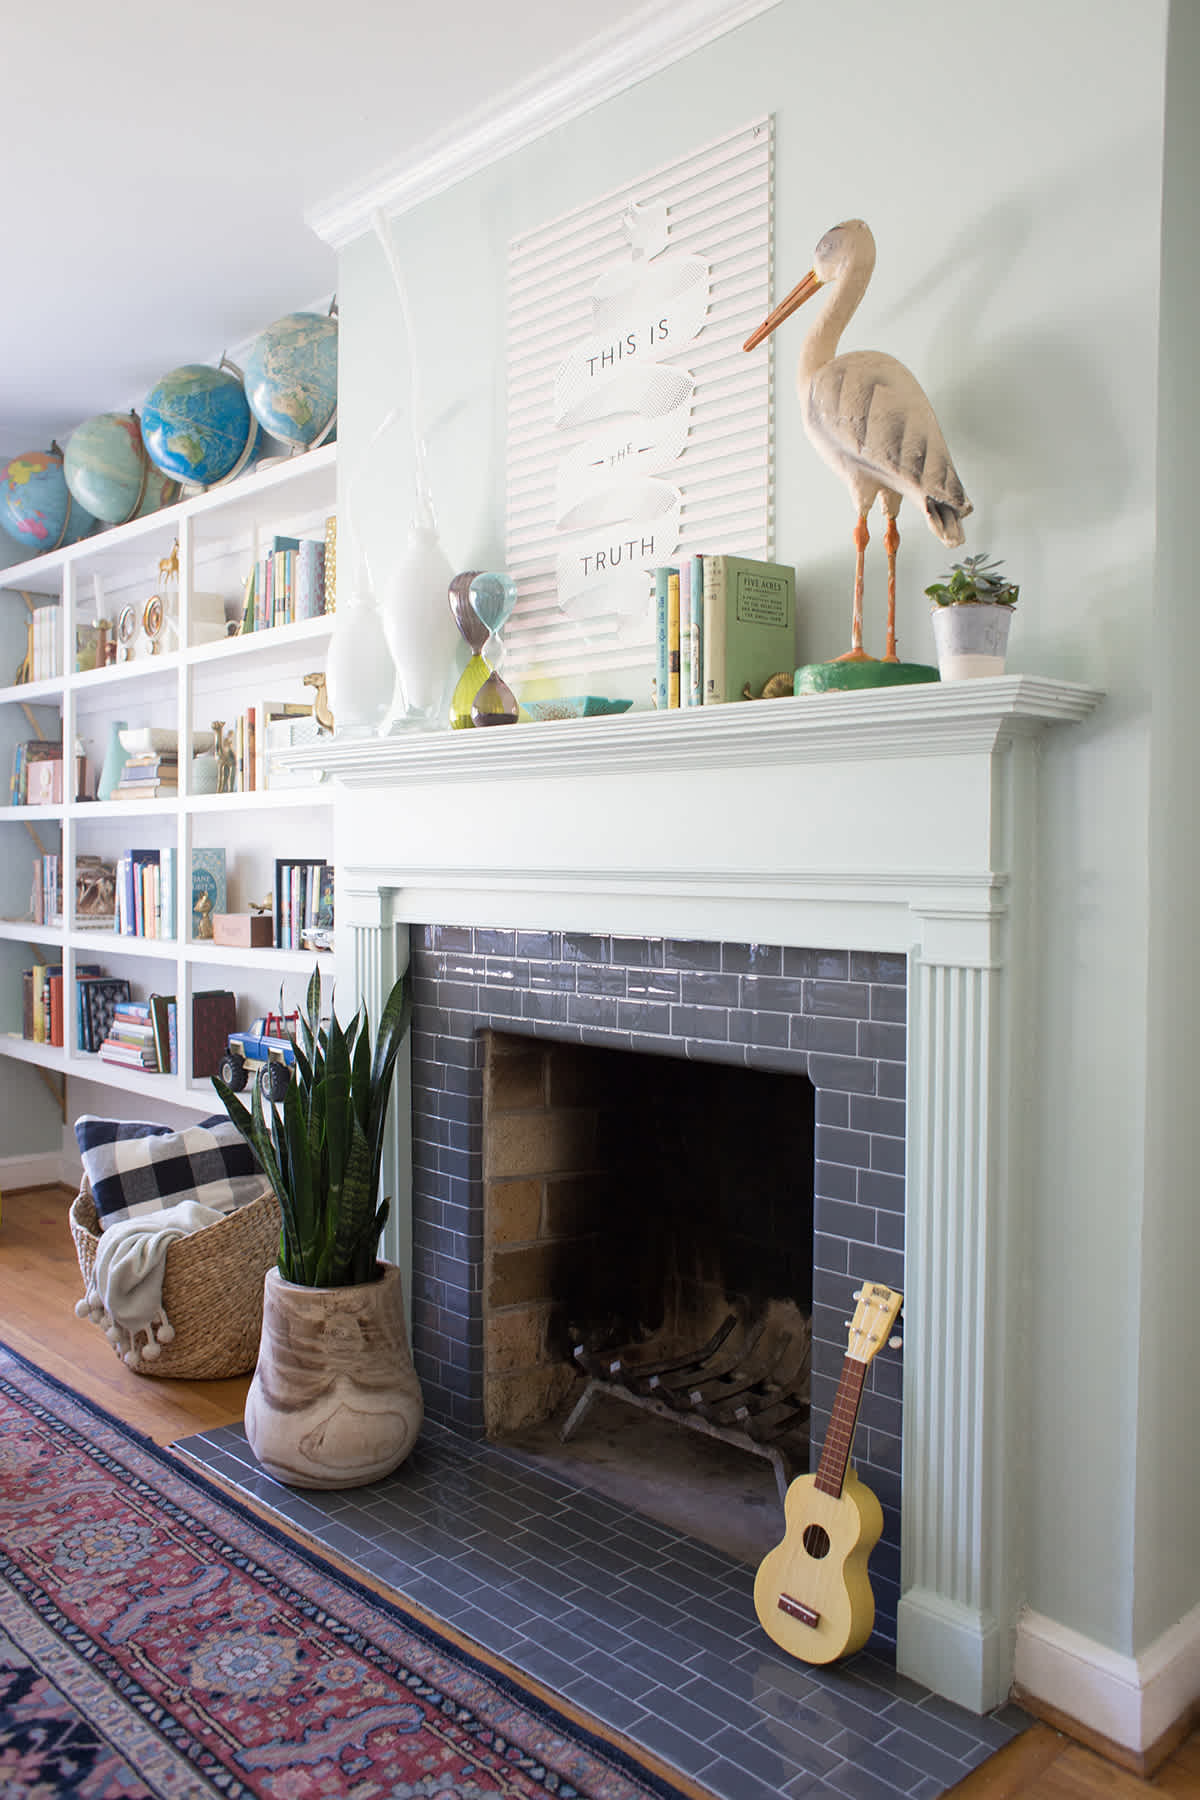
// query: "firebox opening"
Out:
[648,1250]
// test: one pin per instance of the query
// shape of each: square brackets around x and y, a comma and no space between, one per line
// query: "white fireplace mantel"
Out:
[898,819]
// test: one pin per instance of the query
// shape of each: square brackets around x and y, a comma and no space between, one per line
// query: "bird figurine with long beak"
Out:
[869,417]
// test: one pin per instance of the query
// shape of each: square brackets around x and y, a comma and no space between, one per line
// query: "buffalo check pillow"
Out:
[136,1168]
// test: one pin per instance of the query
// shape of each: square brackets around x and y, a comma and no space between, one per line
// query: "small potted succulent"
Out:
[972,613]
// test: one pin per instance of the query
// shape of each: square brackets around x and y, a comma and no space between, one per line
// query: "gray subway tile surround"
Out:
[651,1631]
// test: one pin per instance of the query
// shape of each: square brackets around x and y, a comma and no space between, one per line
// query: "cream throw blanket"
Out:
[124,1295]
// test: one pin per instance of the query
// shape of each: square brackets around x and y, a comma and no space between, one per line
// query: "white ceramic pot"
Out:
[972,640]
[335,1401]
[360,677]
[420,628]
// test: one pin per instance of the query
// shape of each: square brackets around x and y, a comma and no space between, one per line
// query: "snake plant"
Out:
[322,1148]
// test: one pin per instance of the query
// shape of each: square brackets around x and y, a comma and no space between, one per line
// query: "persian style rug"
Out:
[158,1639]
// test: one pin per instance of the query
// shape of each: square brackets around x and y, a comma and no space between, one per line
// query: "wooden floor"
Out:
[39,1285]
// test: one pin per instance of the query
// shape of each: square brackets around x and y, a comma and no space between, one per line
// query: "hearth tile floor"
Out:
[652,1632]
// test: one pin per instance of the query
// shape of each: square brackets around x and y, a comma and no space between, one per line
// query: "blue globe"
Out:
[197,426]
[108,471]
[291,378]
[36,507]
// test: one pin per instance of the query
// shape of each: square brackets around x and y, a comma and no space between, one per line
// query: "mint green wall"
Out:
[1168,1443]
[1009,162]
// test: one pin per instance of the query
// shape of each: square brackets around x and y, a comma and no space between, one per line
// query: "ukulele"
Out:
[812,1593]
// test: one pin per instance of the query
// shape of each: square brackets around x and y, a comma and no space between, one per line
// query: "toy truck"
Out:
[267,1051]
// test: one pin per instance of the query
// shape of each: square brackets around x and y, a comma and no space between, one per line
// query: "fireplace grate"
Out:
[747,1385]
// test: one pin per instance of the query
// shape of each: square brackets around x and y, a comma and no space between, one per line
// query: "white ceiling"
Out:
[163,160]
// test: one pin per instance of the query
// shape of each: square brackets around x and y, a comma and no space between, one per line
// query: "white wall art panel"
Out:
[639,431]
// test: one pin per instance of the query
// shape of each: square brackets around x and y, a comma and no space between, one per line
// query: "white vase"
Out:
[420,628]
[360,677]
[972,640]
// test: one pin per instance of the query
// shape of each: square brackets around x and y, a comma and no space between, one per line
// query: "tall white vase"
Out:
[359,675]
[420,628]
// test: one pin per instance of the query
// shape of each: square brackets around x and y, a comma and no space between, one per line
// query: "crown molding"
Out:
[602,68]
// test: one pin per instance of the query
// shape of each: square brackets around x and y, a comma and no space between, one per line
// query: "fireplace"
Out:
[785,1068]
[897,824]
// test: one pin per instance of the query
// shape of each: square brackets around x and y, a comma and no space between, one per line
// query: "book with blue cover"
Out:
[208,882]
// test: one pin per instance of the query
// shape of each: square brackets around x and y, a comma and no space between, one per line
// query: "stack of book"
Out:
[43,654]
[145,893]
[130,1037]
[46,896]
[285,585]
[724,625]
[148,773]
[303,905]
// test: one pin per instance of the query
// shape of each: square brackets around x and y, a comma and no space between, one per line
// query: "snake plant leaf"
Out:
[321,1148]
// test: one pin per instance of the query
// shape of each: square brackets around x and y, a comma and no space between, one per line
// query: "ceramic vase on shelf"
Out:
[115,758]
[971,639]
[360,677]
[420,629]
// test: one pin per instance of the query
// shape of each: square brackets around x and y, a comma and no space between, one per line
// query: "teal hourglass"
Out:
[480,603]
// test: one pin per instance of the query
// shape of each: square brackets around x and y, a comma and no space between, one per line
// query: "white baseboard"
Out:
[1132,1700]
[32,1171]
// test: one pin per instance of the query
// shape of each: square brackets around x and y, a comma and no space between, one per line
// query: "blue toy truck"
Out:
[266,1050]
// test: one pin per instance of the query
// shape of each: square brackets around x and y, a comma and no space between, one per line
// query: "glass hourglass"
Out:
[480,602]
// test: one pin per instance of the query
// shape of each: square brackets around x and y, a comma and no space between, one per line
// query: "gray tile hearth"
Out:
[652,1632]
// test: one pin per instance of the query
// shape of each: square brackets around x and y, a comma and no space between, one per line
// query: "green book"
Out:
[749,626]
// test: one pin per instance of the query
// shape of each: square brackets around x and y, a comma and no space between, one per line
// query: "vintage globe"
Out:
[197,426]
[36,505]
[291,378]
[109,473]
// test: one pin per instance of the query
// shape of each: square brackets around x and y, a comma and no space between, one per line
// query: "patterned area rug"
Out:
[156,1639]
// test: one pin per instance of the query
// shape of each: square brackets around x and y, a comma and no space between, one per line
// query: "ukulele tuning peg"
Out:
[857,1294]
[895,1343]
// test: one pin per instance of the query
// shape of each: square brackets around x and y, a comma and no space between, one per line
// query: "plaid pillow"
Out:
[137,1168]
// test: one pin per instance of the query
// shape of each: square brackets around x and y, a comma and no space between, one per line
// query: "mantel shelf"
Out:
[934,720]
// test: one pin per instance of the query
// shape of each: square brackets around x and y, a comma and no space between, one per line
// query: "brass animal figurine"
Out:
[321,711]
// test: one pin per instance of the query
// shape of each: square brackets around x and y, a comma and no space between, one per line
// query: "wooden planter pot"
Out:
[335,1400]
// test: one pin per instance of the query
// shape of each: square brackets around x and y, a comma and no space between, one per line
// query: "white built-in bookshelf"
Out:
[185,687]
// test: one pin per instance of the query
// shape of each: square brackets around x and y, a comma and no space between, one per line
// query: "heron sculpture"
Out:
[870,419]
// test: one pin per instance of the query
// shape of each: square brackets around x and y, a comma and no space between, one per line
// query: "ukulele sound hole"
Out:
[816,1541]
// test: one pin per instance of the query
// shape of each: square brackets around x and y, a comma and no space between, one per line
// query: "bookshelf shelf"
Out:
[220,537]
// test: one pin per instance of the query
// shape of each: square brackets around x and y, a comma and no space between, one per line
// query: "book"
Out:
[99,997]
[160,1023]
[208,880]
[673,638]
[749,626]
[685,633]
[214,1016]
[697,693]
[661,656]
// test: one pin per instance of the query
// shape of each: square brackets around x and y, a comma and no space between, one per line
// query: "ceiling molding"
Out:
[605,67]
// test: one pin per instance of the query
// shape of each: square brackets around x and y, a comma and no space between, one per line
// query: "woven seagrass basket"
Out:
[212,1287]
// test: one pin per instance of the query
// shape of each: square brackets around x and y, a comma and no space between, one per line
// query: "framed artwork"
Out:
[638,429]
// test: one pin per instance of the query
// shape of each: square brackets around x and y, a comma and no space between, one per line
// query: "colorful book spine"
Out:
[673,639]
[697,693]
[662,656]
[685,633]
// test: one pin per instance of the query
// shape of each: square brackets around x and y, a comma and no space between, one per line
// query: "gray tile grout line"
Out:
[774,1696]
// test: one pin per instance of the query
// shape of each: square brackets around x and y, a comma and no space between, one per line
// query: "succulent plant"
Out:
[974,582]
[322,1149]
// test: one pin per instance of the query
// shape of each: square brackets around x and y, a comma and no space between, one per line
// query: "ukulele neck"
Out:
[835,1456]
